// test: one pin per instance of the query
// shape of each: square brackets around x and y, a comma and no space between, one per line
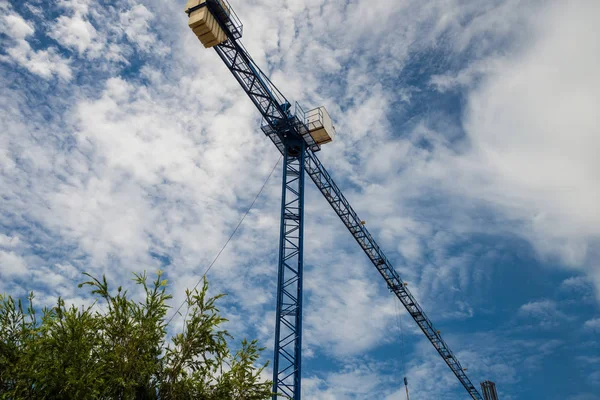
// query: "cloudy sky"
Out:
[468,139]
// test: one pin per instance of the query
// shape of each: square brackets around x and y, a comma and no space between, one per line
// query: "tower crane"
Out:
[298,136]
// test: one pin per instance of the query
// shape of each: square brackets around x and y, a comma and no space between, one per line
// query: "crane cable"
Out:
[228,240]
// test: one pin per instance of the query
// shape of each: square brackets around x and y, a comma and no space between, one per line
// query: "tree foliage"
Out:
[118,349]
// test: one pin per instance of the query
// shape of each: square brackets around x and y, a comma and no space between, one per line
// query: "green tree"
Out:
[118,349]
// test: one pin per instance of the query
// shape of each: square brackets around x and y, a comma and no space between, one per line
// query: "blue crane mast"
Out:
[216,25]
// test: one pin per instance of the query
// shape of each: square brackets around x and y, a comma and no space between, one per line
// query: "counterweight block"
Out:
[205,24]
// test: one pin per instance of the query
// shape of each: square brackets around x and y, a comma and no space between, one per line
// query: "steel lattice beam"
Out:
[288,325]
[344,210]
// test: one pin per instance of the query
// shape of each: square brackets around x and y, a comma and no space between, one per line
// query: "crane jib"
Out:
[274,109]
[341,206]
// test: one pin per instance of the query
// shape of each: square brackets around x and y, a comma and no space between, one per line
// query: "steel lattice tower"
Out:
[288,326]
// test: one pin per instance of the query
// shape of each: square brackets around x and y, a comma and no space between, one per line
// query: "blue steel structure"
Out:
[289,133]
[288,329]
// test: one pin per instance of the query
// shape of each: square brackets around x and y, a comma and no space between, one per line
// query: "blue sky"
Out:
[468,135]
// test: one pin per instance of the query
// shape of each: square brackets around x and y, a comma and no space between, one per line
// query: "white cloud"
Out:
[578,283]
[348,317]
[44,63]
[137,25]
[78,33]
[581,286]
[589,359]
[17,27]
[545,312]
[593,324]
[12,264]
[529,156]
[534,126]
[8,241]
[78,6]
[358,380]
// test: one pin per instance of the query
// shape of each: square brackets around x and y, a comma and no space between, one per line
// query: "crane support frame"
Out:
[288,327]
[282,126]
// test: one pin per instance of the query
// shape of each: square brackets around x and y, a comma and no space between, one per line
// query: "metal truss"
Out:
[285,129]
[291,137]
[344,210]
[273,106]
[288,326]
